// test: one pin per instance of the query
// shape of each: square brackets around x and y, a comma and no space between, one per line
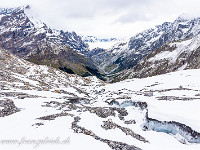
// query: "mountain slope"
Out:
[174,56]
[32,40]
[35,77]
[127,54]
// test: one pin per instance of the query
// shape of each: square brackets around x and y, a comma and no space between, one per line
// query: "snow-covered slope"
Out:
[127,54]
[45,108]
[174,56]
[170,103]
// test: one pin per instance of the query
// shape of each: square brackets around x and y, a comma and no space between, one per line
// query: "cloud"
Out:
[133,17]
[106,18]
[12,3]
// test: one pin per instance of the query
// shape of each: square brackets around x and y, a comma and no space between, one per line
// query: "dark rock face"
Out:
[7,107]
[39,44]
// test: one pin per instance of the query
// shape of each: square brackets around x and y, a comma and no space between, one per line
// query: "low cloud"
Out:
[133,17]
[107,18]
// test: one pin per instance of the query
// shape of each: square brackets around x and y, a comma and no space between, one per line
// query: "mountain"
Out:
[45,108]
[129,53]
[180,55]
[101,43]
[29,38]
[22,20]
[31,76]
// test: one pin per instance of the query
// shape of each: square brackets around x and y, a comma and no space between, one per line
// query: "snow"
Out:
[180,47]
[37,23]
[95,42]
[28,43]
[188,16]
[181,111]
[104,45]
[21,125]
[1,16]
[18,76]
[185,112]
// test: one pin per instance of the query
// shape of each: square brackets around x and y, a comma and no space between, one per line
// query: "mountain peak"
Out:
[127,55]
[186,16]
[7,11]
[31,39]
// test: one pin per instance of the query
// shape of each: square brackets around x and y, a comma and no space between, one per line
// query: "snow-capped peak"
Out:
[127,55]
[6,11]
[187,16]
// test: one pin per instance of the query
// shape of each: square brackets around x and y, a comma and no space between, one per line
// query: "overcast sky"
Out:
[107,18]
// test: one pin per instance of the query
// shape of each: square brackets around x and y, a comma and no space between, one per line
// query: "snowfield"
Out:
[107,114]
[177,84]
[44,108]
[100,44]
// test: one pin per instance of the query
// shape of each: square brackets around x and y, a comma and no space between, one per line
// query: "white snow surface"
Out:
[183,46]
[181,111]
[99,44]
[21,126]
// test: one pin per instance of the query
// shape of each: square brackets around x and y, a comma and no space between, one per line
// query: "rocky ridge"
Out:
[180,55]
[127,54]
[31,39]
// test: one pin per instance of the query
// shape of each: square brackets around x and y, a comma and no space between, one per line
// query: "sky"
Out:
[107,18]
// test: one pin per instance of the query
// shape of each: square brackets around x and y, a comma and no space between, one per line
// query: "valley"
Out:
[61,90]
